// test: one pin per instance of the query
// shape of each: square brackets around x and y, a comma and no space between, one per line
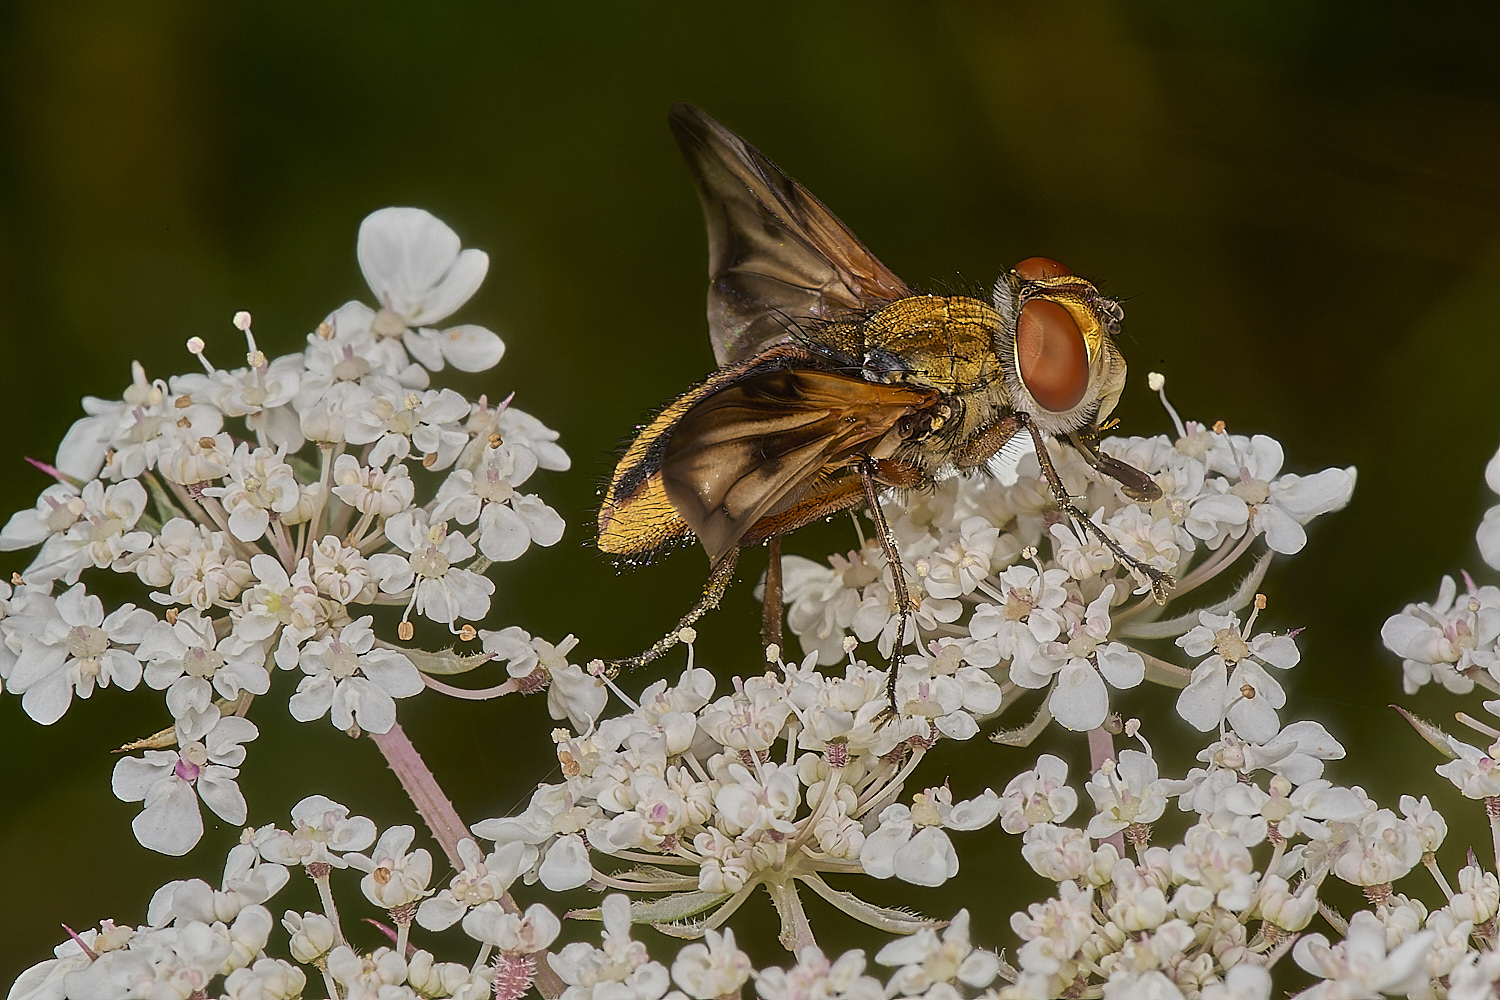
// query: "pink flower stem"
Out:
[437,811]
[425,793]
[1101,752]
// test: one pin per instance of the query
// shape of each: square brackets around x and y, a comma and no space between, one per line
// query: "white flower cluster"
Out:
[993,617]
[786,778]
[1207,917]
[200,941]
[271,508]
[268,546]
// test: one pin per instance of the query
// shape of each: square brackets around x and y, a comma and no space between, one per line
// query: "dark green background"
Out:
[1298,203]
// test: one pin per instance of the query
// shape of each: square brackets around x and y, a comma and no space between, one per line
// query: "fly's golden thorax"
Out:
[944,343]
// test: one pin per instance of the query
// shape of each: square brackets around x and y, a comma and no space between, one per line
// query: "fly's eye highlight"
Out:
[1037,268]
[1051,354]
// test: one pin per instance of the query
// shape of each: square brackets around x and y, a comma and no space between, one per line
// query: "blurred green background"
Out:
[1298,203]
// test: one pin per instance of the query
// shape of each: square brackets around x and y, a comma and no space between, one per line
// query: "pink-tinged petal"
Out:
[1305,497]
[546,524]
[1283,534]
[134,776]
[220,793]
[566,865]
[471,348]
[1079,700]
[393,672]
[313,698]
[1201,703]
[502,534]
[927,859]
[170,823]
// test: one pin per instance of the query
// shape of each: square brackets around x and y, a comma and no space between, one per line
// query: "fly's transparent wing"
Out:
[776,255]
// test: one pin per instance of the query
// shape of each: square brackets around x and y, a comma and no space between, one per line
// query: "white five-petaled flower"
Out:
[1040,795]
[259,484]
[187,660]
[441,590]
[482,880]
[356,681]
[1125,792]
[1363,965]
[620,969]
[205,764]
[1442,640]
[394,876]
[1232,684]
[1080,700]
[417,269]
[512,933]
[934,965]
[910,842]
[713,968]
[77,530]
[74,649]
[322,832]
[1280,505]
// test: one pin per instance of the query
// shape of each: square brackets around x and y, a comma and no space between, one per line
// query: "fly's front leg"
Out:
[1136,484]
[986,442]
[1160,582]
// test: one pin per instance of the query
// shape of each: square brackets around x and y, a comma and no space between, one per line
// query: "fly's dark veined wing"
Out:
[776,255]
[755,447]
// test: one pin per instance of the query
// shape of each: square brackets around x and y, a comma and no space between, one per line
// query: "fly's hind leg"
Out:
[770,608]
[713,593]
[867,472]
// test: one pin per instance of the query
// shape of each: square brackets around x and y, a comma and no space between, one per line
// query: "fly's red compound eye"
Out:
[1053,358]
[1036,268]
